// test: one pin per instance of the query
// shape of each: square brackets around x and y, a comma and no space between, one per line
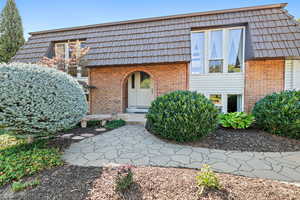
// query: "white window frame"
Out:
[67,56]
[224,99]
[207,35]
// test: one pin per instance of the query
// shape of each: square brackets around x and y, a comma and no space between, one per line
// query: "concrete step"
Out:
[133,118]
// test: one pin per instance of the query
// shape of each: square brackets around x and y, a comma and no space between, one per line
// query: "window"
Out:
[66,50]
[133,81]
[217,51]
[234,103]
[145,80]
[197,53]
[235,50]
[217,100]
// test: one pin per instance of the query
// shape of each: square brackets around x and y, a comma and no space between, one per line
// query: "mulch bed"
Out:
[171,183]
[150,183]
[245,140]
[62,183]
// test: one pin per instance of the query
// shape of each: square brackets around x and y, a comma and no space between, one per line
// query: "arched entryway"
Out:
[139,89]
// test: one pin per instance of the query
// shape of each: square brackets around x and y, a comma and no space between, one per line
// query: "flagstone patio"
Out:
[133,144]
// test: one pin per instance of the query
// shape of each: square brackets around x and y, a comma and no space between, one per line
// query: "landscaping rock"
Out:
[67,135]
[77,138]
[100,129]
[87,135]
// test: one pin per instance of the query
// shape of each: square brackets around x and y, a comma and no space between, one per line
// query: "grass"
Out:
[19,159]
[19,186]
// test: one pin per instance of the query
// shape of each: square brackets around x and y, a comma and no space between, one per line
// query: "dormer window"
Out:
[217,50]
[67,50]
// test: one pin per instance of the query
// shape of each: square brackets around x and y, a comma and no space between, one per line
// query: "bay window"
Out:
[217,51]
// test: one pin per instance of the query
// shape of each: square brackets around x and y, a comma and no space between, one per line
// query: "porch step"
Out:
[136,110]
[133,118]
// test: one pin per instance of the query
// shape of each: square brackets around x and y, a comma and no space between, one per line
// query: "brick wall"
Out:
[262,77]
[110,94]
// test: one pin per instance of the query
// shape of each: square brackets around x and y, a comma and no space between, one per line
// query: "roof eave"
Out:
[269,6]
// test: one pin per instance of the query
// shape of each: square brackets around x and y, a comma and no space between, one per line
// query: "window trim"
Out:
[224,99]
[67,54]
[207,36]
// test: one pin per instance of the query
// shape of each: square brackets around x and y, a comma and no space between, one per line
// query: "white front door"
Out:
[140,90]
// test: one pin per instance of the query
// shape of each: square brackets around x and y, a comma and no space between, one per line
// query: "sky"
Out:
[40,15]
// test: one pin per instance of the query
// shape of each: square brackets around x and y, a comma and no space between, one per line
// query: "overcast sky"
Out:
[50,14]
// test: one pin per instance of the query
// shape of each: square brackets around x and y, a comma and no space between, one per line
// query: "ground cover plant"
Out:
[182,116]
[115,124]
[25,159]
[236,120]
[19,186]
[279,113]
[37,100]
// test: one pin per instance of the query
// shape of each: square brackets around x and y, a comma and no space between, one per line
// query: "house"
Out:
[234,57]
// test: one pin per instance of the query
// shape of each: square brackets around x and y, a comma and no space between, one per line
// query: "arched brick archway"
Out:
[124,86]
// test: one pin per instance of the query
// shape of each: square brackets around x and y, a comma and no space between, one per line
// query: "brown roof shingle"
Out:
[271,32]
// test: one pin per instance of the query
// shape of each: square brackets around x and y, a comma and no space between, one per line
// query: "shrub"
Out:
[207,179]
[279,113]
[236,120]
[182,116]
[93,123]
[36,99]
[115,124]
[124,178]
[19,186]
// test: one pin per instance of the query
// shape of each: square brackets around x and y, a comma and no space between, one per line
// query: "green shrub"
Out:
[26,159]
[207,179]
[93,123]
[124,178]
[182,116]
[236,120]
[19,186]
[37,99]
[115,124]
[7,141]
[279,113]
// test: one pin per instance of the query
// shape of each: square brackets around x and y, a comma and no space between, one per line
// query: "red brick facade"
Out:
[262,77]
[110,94]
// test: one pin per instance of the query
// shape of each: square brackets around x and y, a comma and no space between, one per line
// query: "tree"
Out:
[11,31]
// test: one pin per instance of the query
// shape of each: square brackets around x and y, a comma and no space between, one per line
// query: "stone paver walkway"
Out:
[134,145]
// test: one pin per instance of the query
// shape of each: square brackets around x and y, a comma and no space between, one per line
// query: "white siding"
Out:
[292,74]
[230,83]
[223,83]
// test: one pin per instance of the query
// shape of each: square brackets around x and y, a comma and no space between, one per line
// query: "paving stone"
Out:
[67,135]
[259,164]
[270,174]
[181,159]
[223,167]
[77,138]
[87,135]
[100,129]
[132,144]
[185,151]
[93,156]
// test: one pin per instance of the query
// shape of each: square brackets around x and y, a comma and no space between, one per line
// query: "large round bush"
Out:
[35,99]
[279,113]
[182,116]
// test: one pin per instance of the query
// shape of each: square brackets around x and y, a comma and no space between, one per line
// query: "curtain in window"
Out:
[235,50]
[197,44]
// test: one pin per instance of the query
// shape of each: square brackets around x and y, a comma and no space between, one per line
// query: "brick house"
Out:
[234,57]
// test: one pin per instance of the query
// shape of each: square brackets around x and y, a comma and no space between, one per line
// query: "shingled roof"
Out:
[271,32]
